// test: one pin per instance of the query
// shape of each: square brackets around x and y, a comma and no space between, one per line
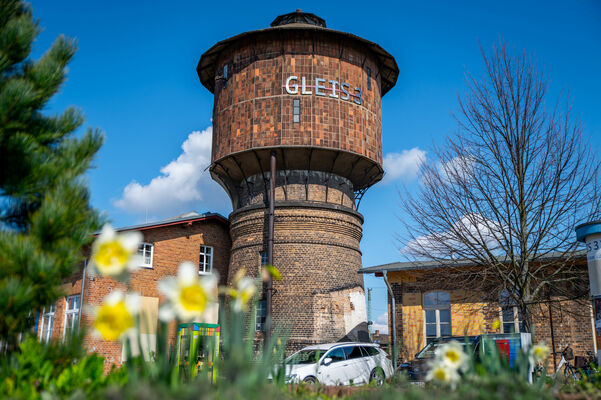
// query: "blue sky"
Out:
[134,77]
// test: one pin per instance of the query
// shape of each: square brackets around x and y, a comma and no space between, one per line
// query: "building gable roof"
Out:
[432,264]
[186,218]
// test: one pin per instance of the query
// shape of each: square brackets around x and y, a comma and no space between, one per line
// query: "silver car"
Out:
[348,363]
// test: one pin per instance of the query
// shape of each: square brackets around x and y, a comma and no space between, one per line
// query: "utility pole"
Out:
[369,320]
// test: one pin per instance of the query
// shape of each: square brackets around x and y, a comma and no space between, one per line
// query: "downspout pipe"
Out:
[393,321]
[269,283]
[83,285]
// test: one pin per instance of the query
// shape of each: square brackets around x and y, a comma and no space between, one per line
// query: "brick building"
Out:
[430,304]
[199,238]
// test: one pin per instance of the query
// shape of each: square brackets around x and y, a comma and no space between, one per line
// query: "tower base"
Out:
[320,297]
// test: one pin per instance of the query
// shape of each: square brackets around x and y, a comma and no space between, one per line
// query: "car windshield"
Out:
[428,351]
[305,357]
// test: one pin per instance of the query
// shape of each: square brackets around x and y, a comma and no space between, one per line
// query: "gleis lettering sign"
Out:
[323,87]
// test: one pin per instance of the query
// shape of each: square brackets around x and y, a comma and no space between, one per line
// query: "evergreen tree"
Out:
[45,216]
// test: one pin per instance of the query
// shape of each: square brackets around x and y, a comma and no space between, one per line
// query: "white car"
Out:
[339,364]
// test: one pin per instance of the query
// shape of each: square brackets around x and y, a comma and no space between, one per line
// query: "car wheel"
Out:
[311,380]
[377,376]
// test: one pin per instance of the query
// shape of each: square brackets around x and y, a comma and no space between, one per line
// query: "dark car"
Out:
[418,368]
[507,344]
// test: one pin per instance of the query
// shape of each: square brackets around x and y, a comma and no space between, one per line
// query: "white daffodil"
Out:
[452,355]
[115,318]
[540,352]
[243,291]
[443,373]
[114,254]
[188,294]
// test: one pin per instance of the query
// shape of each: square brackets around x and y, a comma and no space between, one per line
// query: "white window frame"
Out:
[516,319]
[436,308]
[71,311]
[506,302]
[202,260]
[260,312]
[141,250]
[46,336]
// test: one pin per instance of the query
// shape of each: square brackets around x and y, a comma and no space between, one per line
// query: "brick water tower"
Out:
[304,101]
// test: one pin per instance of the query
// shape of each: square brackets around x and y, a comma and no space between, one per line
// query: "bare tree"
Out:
[506,190]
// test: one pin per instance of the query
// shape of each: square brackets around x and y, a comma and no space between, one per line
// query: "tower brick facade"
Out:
[312,97]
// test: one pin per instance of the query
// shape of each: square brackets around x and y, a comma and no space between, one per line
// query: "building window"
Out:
[205,263]
[368,78]
[47,323]
[437,315]
[296,110]
[225,76]
[72,308]
[511,316]
[261,315]
[264,258]
[145,251]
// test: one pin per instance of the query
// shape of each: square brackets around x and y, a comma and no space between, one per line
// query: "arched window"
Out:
[437,315]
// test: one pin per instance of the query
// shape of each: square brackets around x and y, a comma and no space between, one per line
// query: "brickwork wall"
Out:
[317,252]
[172,245]
[253,109]
[572,326]
[470,315]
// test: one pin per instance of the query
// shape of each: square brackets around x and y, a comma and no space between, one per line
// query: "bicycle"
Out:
[570,371]
[587,365]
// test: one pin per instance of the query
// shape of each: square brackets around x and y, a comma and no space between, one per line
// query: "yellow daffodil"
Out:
[115,318]
[114,254]
[496,325]
[452,355]
[188,294]
[540,352]
[243,291]
[270,271]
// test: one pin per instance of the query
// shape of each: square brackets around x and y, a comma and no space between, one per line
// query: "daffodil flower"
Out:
[115,318]
[268,271]
[496,325]
[452,355]
[443,373]
[115,254]
[188,294]
[540,352]
[243,291]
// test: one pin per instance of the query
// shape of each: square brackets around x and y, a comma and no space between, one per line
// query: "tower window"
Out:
[296,110]
[264,258]
[368,78]
[261,315]
[225,76]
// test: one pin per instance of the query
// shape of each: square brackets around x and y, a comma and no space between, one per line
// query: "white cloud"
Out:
[381,324]
[404,165]
[472,228]
[184,184]
[458,169]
